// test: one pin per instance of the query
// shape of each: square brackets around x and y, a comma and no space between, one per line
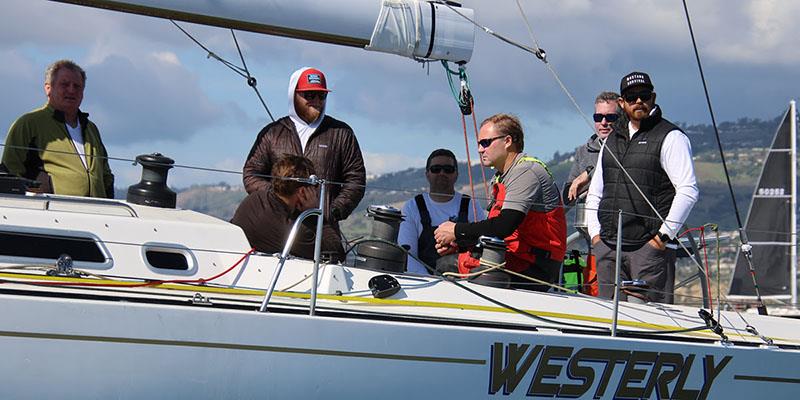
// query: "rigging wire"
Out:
[241,71]
[552,70]
[539,53]
[762,309]
[366,186]
[477,137]
[469,169]
[536,51]
[542,56]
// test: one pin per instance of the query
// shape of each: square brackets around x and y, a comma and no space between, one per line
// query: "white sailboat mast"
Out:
[793,213]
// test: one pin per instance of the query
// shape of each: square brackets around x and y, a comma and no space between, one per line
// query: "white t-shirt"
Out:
[77,140]
[411,227]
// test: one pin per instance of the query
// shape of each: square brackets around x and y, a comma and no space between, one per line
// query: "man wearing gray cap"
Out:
[657,156]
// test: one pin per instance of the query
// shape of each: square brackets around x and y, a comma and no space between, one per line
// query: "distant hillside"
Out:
[744,141]
[219,200]
[742,134]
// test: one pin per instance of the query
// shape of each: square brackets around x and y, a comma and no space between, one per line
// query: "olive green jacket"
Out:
[39,147]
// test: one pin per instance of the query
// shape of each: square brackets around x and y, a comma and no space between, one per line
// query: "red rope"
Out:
[702,230]
[469,170]
[151,283]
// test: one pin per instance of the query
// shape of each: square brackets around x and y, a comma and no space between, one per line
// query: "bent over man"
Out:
[526,209]
[329,143]
[657,156]
[57,144]
[267,216]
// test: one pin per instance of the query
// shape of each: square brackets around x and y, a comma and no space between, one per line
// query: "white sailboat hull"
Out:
[93,349]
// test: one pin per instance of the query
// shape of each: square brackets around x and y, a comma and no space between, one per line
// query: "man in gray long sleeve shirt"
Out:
[606,112]
[658,157]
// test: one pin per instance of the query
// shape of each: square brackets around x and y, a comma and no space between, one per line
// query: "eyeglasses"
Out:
[488,141]
[447,169]
[608,117]
[631,97]
[311,95]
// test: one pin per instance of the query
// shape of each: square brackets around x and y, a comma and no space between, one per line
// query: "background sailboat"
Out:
[772,224]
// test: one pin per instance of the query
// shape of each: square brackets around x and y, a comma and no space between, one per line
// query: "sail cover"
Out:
[410,28]
[768,224]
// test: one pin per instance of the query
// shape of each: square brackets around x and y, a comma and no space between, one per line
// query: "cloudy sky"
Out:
[151,89]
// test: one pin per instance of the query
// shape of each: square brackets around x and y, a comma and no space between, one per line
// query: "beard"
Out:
[309,114]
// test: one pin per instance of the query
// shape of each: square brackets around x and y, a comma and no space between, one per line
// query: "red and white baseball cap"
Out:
[311,80]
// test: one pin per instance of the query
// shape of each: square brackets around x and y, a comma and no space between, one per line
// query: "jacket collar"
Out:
[593,144]
[58,115]
[621,126]
[653,119]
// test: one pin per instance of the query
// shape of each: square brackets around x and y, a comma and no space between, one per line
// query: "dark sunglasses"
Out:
[311,95]
[609,117]
[447,169]
[631,97]
[488,141]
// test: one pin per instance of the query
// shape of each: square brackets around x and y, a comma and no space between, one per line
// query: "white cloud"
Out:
[380,163]
[166,57]
[762,32]
[149,83]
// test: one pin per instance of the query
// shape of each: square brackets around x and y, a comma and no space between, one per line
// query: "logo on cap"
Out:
[311,80]
[314,79]
[636,80]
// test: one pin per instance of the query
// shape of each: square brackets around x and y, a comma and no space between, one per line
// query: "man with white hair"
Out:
[57,144]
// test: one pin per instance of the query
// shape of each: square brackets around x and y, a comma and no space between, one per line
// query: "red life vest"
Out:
[541,234]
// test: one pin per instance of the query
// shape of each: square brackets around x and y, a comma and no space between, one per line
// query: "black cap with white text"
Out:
[635,79]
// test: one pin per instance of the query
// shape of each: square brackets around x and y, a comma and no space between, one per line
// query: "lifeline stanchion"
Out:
[317,246]
[617,267]
[319,212]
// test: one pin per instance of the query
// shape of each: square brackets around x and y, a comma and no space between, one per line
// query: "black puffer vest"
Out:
[641,158]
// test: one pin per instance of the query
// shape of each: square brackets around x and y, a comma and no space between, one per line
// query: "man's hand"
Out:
[446,249]
[657,243]
[445,234]
[577,185]
[595,240]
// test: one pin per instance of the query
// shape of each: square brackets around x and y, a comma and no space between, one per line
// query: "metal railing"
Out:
[290,241]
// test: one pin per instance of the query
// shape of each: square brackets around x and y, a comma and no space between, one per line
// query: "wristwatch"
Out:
[664,238]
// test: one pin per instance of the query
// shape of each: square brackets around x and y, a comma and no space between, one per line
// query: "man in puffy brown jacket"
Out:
[329,143]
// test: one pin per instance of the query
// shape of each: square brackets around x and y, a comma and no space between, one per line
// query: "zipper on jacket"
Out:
[86,167]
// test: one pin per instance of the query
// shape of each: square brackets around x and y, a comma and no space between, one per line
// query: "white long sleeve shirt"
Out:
[676,160]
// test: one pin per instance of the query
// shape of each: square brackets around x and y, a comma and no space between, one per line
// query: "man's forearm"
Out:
[500,226]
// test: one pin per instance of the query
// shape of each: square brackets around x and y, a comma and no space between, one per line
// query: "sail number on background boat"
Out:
[642,371]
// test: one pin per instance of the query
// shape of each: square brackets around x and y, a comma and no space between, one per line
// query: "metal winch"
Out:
[152,190]
[380,250]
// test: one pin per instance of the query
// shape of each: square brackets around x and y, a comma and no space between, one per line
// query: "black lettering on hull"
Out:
[562,372]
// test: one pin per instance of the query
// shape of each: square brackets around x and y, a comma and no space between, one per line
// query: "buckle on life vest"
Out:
[540,253]
[476,252]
